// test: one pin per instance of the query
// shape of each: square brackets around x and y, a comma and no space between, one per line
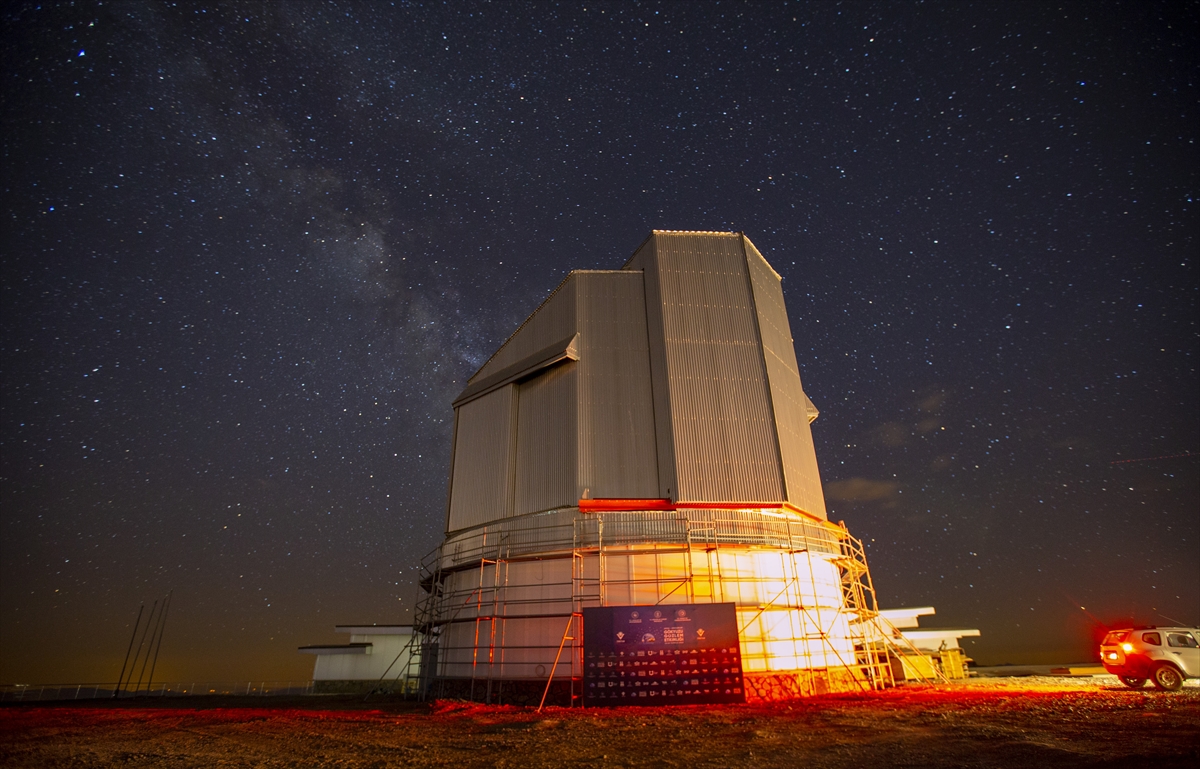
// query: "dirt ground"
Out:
[1014,722]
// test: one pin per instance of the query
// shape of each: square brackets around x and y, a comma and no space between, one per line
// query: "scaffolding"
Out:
[501,616]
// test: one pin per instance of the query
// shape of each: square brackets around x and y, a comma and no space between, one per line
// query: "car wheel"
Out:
[1167,678]
[1132,682]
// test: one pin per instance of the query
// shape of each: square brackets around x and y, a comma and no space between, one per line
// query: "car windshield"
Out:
[1115,637]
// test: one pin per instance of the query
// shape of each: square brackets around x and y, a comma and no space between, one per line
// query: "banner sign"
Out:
[672,654]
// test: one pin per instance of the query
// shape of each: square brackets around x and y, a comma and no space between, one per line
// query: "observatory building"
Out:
[642,440]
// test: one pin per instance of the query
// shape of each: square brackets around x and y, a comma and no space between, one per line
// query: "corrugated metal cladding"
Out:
[581,425]
[481,479]
[722,423]
[645,260]
[617,452]
[552,321]
[563,349]
[546,440]
[682,383]
[787,396]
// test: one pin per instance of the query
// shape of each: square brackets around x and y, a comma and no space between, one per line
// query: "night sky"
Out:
[252,251]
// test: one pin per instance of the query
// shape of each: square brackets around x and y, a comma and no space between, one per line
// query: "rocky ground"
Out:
[1009,722]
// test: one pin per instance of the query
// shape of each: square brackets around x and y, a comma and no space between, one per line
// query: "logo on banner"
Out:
[672,664]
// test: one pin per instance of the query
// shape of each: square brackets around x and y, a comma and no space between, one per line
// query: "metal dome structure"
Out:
[643,439]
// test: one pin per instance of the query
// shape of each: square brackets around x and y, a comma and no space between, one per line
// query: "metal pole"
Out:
[117,691]
[554,667]
[145,632]
[166,608]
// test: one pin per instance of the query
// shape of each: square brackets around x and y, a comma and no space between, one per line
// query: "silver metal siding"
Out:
[617,451]
[481,485]
[723,428]
[645,259]
[546,440]
[550,322]
[563,349]
[791,406]
[450,479]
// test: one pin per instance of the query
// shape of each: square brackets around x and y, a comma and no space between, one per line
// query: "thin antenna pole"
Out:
[120,678]
[163,629]
[142,643]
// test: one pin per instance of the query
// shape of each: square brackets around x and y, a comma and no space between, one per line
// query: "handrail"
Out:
[89,690]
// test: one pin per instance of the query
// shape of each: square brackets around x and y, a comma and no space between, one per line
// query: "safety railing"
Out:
[96,691]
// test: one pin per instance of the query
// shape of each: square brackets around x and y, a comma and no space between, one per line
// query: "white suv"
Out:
[1165,655]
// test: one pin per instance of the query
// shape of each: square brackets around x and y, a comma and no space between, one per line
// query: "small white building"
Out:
[922,651]
[376,653]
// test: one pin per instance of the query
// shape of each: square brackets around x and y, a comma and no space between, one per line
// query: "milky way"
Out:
[253,251]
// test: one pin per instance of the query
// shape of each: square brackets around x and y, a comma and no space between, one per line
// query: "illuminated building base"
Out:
[504,602]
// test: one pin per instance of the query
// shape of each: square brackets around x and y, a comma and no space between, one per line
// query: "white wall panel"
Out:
[364,667]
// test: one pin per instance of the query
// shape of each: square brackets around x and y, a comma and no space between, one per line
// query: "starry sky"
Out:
[251,251]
